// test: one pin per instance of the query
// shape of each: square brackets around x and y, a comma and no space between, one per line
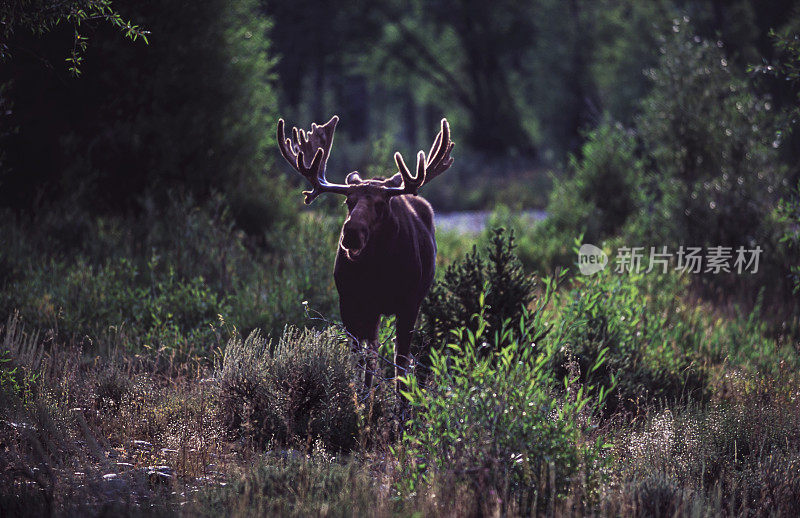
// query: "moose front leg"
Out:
[367,353]
[370,353]
[405,328]
[363,328]
[358,347]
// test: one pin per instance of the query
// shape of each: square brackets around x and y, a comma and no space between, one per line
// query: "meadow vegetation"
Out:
[609,394]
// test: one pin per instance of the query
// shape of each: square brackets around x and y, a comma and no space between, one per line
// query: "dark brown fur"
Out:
[392,272]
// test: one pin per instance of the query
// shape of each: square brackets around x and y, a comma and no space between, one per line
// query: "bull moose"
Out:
[386,258]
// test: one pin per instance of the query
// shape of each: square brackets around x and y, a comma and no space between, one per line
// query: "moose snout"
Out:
[354,238]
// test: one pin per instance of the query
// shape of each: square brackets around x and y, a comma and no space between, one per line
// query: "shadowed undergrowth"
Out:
[612,395]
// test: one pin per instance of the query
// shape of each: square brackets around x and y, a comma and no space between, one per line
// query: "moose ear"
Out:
[394,181]
[353,178]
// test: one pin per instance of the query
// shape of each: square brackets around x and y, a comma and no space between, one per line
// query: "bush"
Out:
[300,270]
[293,393]
[644,343]
[496,422]
[197,124]
[163,278]
[788,213]
[715,172]
[600,195]
[595,201]
[709,141]
[452,302]
[528,245]
[699,168]
[151,307]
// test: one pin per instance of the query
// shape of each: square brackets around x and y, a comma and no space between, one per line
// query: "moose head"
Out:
[387,250]
[367,200]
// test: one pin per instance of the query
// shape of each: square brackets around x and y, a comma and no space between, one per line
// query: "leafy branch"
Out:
[41,16]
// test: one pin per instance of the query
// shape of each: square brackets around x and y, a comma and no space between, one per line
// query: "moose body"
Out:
[390,276]
[386,256]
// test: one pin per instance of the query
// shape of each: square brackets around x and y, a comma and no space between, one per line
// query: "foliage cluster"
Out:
[644,343]
[788,212]
[497,422]
[657,346]
[452,304]
[188,113]
[699,166]
[715,169]
[708,174]
[164,279]
[41,17]
[596,200]
[295,392]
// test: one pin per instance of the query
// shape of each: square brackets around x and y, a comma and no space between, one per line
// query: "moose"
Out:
[386,258]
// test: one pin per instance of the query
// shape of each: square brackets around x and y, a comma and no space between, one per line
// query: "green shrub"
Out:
[529,247]
[497,422]
[743,340]
[788,213]
[600,195]
[200,125]
[709,141]
[699,167]
[295,392]
[595,201]
[299,270]
[20,359]
[613,317]
[453,303]
[151,307]
[715,172]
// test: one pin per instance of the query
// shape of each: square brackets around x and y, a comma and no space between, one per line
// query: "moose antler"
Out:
[316,144]
[427,169]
